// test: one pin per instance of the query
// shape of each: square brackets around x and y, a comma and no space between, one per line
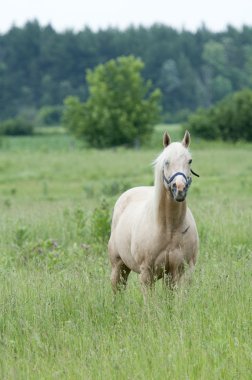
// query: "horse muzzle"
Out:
[178,187]
[178,195]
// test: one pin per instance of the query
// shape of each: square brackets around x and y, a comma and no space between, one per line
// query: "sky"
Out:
[101,14]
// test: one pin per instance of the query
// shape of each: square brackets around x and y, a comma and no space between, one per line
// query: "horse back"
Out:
[137,194]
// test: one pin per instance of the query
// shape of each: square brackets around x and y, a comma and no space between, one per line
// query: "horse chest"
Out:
[158,250]
[169,260]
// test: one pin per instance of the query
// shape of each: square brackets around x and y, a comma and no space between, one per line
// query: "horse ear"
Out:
[166,140]
[186,139]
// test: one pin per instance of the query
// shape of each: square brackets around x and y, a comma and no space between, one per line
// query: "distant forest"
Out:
[41,67]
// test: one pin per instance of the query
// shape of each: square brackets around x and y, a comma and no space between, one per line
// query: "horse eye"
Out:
[189,162]
[167,163]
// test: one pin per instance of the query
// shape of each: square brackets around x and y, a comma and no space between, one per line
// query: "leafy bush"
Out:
[203,124]
[50,115]
[230,119]
[93,228]
[16,127]
[100,223]
[121,108]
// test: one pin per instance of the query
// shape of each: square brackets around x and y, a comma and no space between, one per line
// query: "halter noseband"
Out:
[187,179]
[169,181]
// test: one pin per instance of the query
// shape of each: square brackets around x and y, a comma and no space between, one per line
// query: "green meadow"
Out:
[58,316]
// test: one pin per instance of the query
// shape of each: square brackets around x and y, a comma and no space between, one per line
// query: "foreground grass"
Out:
[58,316]
[65,324]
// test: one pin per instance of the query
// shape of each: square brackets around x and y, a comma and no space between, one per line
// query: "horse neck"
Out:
[169,213]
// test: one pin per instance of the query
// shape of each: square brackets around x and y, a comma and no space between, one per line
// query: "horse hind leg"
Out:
[119,274]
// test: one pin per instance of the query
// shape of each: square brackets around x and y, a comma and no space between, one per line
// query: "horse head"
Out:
[177,167]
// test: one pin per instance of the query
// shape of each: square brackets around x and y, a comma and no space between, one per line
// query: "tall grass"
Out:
[58,316]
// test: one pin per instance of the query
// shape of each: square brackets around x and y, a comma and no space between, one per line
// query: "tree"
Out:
[221,87]
[121,108]
[215,56]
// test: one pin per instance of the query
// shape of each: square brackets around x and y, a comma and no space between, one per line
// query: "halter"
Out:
[169,181]
[187,179]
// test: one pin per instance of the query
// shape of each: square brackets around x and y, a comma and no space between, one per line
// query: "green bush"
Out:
[16,127]
[100,223]
[122,107]
[50,115]
[230,119]
[93,229]
[202,124]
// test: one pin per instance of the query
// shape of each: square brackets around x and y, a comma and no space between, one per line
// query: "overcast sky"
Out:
[75,14]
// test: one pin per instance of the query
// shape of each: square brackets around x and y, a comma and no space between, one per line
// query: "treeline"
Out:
[41,67]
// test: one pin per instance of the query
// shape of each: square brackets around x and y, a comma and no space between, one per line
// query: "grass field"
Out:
[58,317]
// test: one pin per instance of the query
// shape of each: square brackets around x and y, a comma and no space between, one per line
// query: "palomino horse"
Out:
[153,232]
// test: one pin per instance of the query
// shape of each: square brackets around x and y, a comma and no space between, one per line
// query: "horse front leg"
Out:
[188,273]
[180,275]
[146,279]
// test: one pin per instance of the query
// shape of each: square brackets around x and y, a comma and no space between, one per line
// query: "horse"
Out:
[153,232]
